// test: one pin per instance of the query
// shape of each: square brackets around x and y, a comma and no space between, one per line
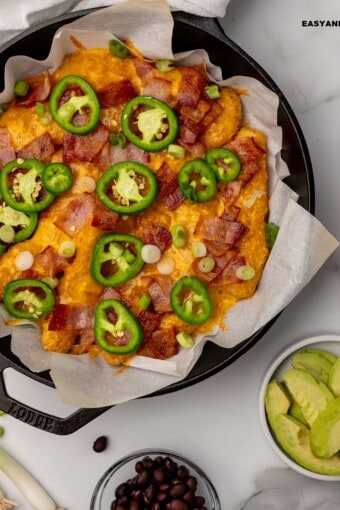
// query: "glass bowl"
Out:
[277,367]
[124,470]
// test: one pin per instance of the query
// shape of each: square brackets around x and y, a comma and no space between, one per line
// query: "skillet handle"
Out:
[39,419]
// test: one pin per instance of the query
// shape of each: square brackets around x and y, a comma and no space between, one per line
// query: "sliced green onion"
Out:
[245,272]
[151,253]
[179,236]
[199,249]
[118,139]
[185,340]
[67,249]
[212,91]
[144,301]
[118,49]
[206,264]
[166,265]
[39,109]
[21,88]
[36,496]
[164,65]
[7,234]
[24,260]
[177,151]
[51,282]
[271,231]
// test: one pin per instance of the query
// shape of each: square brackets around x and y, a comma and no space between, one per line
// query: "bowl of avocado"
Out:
[299,406]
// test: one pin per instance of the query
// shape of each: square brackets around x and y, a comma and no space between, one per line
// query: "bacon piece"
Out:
[144,69]
[112,293]
[197,150]
[149,322]
[84,147]
[159,291]
[83,342]
[160,236]
[221,230]
[30,273]
[75,215]
[158,88]
[162,344]
[7,152]
[246,149]
[71,317]
[40,87]
[103,217]
[196,114]
[167,181]
[41,148]
[248,170]
[116,92]
[174,199]
[51,262]
[191,86]
[220,264]
[187,136]
[231,191]
[111,154]
[228,274]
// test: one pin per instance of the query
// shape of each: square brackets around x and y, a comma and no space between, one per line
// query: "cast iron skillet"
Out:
[189,33]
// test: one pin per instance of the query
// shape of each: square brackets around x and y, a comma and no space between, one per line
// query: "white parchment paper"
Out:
[302,246]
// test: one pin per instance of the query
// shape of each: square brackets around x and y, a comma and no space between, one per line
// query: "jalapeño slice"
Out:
[28,298]
[127,187]
[197,181]
[190,300]
[225,164]
[149,123]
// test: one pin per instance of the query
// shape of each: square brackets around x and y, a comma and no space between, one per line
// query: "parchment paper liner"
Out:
[303,244]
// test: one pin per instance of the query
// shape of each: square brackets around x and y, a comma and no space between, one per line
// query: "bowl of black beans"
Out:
[156,480]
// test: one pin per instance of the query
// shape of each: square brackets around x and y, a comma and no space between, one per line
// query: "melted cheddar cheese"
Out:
[76,286]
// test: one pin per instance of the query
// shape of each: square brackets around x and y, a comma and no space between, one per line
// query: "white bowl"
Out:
[275,370]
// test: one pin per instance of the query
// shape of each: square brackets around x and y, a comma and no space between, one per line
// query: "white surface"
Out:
[216,422]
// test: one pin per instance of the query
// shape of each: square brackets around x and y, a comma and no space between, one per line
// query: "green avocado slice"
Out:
[294,438]
[334,378]
[324,354]
[276,400]
[325,432]
[311,395]
[313,363]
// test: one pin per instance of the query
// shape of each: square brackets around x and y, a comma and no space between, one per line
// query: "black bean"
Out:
[100,444]
[159,484]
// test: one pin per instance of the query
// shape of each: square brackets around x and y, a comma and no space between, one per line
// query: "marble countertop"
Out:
[216,422]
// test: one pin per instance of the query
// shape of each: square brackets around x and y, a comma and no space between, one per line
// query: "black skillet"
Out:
[204,33]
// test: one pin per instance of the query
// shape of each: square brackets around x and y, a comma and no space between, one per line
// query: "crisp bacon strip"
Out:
[160,236]
[41,148]
[221,230]
[159,291]
[143,69]
[7,152]
[162,344]
[84,341]
[40,87]
[228,274]
[158,88]
[246,149]
[103,218]
[150,321]
[71,317]
[85,147]
[112,293]
[191,86]
[75,215]
[249,169]
[111,154]
[167,181]
[116,92]
[174,199]
[50,261]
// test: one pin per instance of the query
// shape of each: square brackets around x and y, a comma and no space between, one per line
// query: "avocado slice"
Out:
[324,354]
[325,432]
[276,400]
[295,412]
[334,378]
[313,363]
[311,395]
[294,438]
